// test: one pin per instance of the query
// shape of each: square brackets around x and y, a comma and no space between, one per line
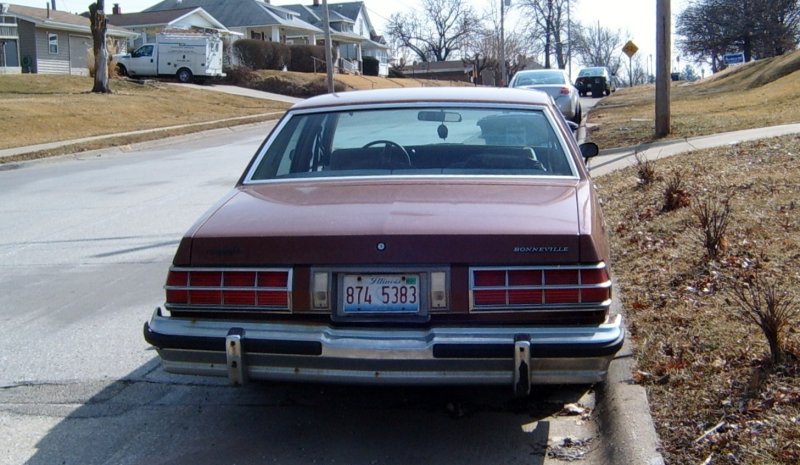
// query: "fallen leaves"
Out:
[702,365]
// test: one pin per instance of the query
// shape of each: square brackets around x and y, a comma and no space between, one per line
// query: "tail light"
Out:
[564,91]
[229,289]
[540,288]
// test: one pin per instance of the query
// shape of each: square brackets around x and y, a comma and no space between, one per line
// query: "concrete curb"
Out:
[623,414]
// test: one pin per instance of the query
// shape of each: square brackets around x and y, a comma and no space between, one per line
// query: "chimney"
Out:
[53,2]
[316,2]
[116,10]
[48,11]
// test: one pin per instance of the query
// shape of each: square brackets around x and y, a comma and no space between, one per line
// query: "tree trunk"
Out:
[99,27]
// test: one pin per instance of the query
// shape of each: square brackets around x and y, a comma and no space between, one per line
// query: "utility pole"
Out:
[503,70]
[569,39]
[663,60]
[328,47]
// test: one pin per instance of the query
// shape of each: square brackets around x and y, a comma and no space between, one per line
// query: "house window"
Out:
[52,43]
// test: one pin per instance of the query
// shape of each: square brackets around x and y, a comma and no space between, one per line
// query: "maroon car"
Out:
[412,236]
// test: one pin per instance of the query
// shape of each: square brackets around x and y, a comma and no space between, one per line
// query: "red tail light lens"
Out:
[240,279]
[206,278]
[272,279]
[205,297]
[565,91]
[525,277]
[235,290]
[561,277]
[527,297]
[490,297]
[490,278]
[540,288]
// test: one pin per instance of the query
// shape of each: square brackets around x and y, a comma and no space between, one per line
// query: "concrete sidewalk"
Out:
[243,91]
[614,159]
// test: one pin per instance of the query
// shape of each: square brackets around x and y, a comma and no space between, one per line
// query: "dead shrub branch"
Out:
[712,217]
[761,300]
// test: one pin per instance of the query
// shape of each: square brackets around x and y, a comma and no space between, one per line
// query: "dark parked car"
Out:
[409,236]
[597,81]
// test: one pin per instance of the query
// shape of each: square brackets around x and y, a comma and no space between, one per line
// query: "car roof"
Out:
[542,70]
[415,95]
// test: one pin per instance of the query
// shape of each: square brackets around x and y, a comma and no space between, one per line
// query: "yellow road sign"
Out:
[630,49]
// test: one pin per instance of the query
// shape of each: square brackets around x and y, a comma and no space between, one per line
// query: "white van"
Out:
[187,56]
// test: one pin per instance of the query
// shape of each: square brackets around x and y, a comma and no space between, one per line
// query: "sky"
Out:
[636,19]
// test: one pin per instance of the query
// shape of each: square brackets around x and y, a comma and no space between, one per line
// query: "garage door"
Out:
[79,49]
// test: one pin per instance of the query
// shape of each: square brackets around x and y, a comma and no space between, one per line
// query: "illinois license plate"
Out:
[380,293]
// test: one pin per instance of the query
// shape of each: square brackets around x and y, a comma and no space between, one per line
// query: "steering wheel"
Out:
[386,145]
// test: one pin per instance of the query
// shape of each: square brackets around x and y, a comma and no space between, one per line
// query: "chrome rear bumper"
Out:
[516,356]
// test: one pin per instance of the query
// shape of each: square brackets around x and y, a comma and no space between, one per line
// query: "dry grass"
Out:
[755,95]
[36,109]
[374,82]
[353,82]
[703,364]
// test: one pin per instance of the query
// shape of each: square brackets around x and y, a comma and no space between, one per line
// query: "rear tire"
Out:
[578,117]
[121,70]
[184,75]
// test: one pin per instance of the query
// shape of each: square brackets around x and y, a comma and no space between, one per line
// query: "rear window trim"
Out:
[261,153]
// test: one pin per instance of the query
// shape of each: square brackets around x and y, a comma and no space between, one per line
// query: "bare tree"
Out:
[598,46]
[481,53]
[635,70]
[99,27]
[483,50]
[548,25]
[436,32]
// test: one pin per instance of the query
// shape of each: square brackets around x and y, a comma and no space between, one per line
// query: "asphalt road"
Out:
[85,243]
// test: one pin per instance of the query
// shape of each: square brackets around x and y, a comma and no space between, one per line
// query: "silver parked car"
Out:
[556,84]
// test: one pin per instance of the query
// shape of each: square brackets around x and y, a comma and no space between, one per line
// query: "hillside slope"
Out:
[757,94]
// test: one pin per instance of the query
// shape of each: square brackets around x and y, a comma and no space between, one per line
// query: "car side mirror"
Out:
[589,150]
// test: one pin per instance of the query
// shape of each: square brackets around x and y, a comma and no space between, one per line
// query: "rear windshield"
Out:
[591,72]
[415,141]
[537,78]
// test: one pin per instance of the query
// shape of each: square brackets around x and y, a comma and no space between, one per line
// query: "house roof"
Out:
[242,13]
[62,20]
[347,9]
[313,14]
[149,18]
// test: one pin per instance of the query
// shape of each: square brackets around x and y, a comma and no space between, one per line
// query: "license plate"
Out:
[380,293]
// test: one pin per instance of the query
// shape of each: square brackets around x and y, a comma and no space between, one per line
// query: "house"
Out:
[45,41]
[254,19]
[351,30]
[148,24]
[351,33]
